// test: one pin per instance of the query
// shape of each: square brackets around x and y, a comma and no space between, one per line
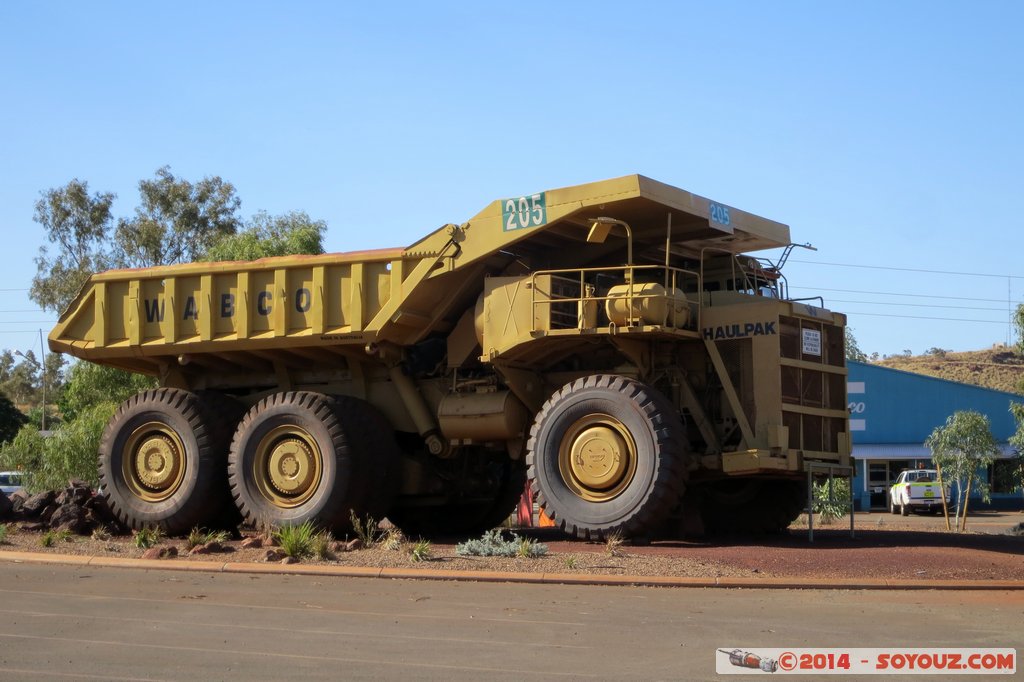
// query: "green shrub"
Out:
[52,537]
[530,548]
[197,536]
[392,540]
[320,545]
[421,550]
[493,543]
[296,541]
[3,533]
[838,507]
[144,538]
[367,530]
[71,452]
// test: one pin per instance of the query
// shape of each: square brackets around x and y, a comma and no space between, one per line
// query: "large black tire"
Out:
[299,456]
[466,518]
[162,461]
[607,455]
[730,506]
[751,506]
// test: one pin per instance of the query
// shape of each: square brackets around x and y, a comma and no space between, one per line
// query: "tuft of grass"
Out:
[571,562]
[421,550]
[368,530]
[3,533]
[296,541]
[144,538]
[101,534]
[392,540]
[320,545]
[530,548]
[197,536]
[52,537]
[493,543]
[613,544]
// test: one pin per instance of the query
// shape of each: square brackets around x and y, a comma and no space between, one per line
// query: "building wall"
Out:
[893,412]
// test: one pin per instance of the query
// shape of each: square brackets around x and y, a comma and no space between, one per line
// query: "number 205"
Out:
[524,212]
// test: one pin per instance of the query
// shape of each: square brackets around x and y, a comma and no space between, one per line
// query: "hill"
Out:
[998,367]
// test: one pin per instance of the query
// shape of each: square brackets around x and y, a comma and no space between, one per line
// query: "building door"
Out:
[878,484]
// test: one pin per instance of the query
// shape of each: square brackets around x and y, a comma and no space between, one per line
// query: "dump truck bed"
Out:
[142,319]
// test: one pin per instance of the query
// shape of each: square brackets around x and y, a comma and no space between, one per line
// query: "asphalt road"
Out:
[63,622]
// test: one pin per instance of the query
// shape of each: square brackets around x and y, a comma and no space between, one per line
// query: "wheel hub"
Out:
[288,466]
[291,466]
[597,458]
[154,462]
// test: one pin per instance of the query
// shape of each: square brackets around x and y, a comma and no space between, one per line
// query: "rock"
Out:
[33,527]
[289,560]
[34,505]
[70,517]
[252,543]
[6,506]
[77,494]
[160,552]
[1017,530]
[17,499]
[273,555]
[353,544]
[47,513]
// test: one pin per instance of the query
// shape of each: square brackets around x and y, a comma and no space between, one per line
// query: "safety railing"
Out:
[591,288]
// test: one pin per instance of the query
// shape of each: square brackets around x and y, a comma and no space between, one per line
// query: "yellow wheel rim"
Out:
[288,466]
[154,462]
[597,458]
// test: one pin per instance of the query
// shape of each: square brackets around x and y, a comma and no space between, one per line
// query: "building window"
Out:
[1001,475]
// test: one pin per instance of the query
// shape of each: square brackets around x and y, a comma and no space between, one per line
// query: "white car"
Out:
[915,490]
[10,481]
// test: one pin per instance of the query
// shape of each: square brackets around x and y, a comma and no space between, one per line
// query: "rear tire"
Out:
[299,456]
[607,455]
[904,511]
[162,461]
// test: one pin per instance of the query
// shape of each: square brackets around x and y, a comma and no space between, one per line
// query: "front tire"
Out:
[607,455]
[162,461]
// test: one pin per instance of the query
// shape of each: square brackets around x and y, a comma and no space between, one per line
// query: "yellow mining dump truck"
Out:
[608,341]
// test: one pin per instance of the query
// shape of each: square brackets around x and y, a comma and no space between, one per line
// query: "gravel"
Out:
[895,549]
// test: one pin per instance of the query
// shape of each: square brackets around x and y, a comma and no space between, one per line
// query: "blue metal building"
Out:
[892,413]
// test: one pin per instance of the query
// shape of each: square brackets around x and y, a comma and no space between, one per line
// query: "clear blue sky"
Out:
[886,134]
